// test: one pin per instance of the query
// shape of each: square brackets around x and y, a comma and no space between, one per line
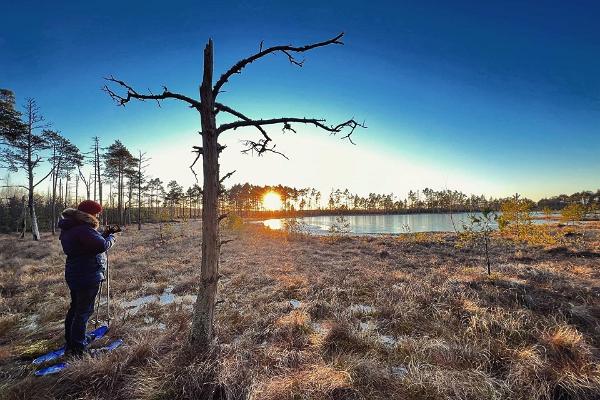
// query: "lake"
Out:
[387,224]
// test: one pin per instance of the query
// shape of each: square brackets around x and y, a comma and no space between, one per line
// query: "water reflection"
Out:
[378,223]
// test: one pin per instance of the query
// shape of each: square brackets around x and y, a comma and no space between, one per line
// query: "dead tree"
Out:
[141,178]
[23,224]
[208,107]
[98,175]
[86,182]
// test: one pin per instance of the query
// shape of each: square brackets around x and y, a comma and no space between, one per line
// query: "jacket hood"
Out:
[72,217]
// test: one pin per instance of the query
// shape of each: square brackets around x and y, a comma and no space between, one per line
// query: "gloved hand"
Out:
[111,229]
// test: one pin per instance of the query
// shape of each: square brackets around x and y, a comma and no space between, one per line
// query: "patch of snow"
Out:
[152,321]
[318,327]
[368,326]
[134,305]
[388,341]
[295,304]
[399,371]
[31,322]
[166,297]
[361,309]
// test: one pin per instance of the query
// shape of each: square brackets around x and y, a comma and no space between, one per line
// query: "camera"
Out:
[111,229]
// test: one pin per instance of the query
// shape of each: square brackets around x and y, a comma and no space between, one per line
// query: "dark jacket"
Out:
[85,248]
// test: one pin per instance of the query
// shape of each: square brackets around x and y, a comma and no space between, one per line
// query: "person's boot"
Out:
[71,352]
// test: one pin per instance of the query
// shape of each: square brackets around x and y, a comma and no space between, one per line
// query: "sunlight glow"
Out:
[275,224]
[272,201]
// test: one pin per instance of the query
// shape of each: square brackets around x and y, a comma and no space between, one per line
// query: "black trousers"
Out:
[82,307]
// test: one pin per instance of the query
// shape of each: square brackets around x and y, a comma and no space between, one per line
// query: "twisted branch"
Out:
[133,94]
[226,176]
[262,146]
[287,50]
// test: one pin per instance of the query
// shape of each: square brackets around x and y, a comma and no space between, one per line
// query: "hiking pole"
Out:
[112,229]
[98,306]
[107,290]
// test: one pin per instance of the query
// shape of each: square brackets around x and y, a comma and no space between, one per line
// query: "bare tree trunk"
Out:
[202,324]
[87,187]
[67,191]
[34,225]
[95,165]
[24,216]
[139,210]
[99,179]
[54,178]
[54,203]
[110,200]
[487,256]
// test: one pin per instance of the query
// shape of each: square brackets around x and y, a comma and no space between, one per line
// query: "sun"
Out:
[272,201]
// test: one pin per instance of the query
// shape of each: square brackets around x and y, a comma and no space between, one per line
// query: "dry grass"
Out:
[384,317]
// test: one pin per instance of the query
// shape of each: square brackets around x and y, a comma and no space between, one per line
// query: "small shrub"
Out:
[540,235]
[572,212]
[340,227]
[235,222]
[516,222]
[295,228]
[516,217]
[477,233]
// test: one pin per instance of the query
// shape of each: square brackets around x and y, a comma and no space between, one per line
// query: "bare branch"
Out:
[223,216]
[198,151]
[287,127]
[320,123]
[241,116]
[44,178]
[260,148]
[227,175]
[85,182]
[287,50]
[133,94]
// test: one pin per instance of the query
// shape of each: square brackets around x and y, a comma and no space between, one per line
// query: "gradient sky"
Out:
[486,98]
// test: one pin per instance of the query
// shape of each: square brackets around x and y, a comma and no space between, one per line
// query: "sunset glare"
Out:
[272,201]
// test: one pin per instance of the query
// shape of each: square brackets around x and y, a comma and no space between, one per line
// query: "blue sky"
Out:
[486,98]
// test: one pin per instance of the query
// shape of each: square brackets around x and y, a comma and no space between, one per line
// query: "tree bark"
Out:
[99,178]
[120,195]
[24,217]
[139,210]
[34,225]
[54,178]
[202,324]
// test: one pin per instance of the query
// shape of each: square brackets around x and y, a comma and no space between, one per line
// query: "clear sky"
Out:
[485,97]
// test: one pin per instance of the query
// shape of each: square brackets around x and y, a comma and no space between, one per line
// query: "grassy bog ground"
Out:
[386,317]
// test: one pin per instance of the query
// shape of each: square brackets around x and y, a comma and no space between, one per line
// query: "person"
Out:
[85,268]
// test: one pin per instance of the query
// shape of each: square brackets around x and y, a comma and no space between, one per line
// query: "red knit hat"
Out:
[90,207]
